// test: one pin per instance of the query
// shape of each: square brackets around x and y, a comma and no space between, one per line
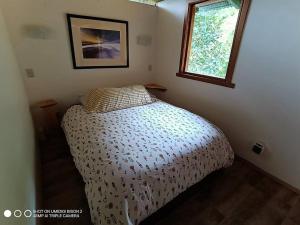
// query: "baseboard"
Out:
[270,175]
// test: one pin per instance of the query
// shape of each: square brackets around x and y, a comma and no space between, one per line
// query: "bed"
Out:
[136,160]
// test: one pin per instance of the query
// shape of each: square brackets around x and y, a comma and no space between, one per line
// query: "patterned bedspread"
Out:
[136,160]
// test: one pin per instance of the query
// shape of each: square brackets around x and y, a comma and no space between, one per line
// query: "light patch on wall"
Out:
[173,10]
[37,31]
[148,2]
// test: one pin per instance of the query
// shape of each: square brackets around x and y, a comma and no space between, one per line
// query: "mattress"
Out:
[134,161]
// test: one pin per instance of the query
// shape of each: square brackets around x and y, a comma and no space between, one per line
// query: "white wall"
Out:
[265,103]
[51,58]
[17,189]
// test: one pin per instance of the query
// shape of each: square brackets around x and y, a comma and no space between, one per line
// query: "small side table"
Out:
[50,119]
[153,86]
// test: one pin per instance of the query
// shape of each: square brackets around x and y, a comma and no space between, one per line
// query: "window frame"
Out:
[186,42]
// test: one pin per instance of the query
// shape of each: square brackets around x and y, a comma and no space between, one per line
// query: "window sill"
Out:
[207,79]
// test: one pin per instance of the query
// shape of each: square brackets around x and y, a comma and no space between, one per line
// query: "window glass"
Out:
[212,36]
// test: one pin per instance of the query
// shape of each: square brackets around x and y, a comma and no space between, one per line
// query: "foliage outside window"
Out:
[212,38]
[212,35]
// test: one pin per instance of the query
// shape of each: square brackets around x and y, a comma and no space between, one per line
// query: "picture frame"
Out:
[98,42]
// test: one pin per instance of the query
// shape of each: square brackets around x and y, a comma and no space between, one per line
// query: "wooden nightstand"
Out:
[49,116]
[153,86]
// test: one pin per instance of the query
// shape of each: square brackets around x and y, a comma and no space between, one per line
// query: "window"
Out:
[211,38]
[149,2]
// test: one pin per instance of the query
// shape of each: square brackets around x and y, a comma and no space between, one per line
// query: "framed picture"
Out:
[98,42]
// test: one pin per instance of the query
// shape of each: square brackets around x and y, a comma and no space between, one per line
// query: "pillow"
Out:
[111,99]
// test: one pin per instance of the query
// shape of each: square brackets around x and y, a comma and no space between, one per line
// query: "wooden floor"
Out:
[239,195]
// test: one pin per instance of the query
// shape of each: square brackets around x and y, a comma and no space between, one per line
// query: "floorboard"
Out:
[239,195]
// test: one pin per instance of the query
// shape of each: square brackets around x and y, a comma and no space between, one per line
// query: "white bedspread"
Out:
[136,160]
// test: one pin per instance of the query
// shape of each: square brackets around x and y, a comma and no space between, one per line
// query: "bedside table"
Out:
[49,112]
[153,86]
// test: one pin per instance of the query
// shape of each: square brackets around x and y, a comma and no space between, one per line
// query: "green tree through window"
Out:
[212,38]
